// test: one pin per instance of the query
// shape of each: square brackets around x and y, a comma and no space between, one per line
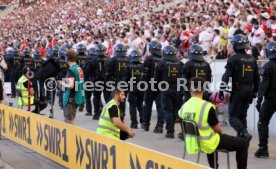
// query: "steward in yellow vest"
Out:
[203,114]
[110,123]
[22,89]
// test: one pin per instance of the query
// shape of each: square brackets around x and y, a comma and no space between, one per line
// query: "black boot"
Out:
[133,125]
[158,129]
[96,116]
[88,114]
[262,153]
[145,127]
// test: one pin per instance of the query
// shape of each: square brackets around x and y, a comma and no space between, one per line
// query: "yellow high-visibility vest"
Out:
[23,98]
[105,125]
[197,110]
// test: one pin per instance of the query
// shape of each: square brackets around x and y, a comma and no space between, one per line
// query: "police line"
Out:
[77,148]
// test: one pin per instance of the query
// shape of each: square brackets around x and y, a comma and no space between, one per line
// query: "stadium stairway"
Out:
[6,11]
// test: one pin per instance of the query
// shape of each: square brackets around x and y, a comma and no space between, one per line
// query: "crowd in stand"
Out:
[210,23]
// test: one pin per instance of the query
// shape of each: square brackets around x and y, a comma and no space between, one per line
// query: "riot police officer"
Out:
[135,96]
[62,61]
[82,58]
[196,67]
[169,70]
[98,69]
[116,70]
[243,70]
[267,91]
[27,58]
[55,50]
[88,92]
[150,96]
[37,60]
[7,57]
[15,70]
[40,98]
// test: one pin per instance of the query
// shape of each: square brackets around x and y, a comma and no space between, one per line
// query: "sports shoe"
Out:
[262,153]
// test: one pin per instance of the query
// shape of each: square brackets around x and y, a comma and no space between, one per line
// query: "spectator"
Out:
[216,39]
[72,98]
[257,35]
[3,68]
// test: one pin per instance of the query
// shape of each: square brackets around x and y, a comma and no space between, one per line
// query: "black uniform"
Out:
[197,67]
[243,70]
[267,91]
[63,66]
[150,96]
[169,70]
[87,77]
[82,59]
[7,57]
[116,70]
[135,96]
[98,69]
[16,66]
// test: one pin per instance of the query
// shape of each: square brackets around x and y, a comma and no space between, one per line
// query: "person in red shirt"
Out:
[266,26]
[24,45]
[42,50]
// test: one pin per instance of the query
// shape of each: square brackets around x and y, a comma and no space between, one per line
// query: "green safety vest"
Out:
[23,97]
[79,89]
[197,110]
[106,126]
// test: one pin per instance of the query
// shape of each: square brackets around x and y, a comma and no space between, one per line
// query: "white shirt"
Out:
[216,41]
[91,45]
[273,28]
[164,44]
[204,40]
[258,36]
[231,32]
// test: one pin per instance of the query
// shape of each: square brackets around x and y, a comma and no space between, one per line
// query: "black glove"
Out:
[258,107]
[221,95]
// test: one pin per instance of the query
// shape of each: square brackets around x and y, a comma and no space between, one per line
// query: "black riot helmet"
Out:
[270,50]
[26,52]
[14,52]
[120,50]
[7,55]
[62,52]
[196,53]
[91,52]
[100,50]
[81,48]
[135,56]
[37,54]
[155,48]
[55,50]
[169,53]
[239,41]
[49,53]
